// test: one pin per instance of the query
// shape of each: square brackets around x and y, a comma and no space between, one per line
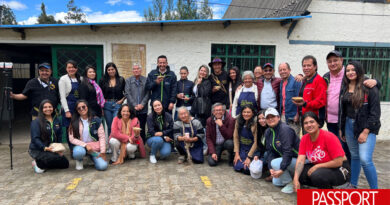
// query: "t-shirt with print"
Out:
[326,148]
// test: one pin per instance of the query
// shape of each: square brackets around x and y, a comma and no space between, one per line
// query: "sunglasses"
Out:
[266,71]
[83,107]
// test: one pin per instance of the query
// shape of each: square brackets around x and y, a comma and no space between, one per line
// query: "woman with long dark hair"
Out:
[160,132]
[86,133]
[91,91]
[46,129]
[360,122]
[113,86]
[68,87]
[125,135]
[245,139]
[234,81]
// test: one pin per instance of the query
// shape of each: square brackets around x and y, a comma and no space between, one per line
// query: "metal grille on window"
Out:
[376,63]
[246,57]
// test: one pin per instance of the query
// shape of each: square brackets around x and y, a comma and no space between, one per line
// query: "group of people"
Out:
[256,117]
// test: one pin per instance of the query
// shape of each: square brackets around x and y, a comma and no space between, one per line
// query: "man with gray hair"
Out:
[137,96]
[219,134]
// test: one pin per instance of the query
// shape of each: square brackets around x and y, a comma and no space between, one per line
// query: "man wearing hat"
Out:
[38,89]
[282,145]
[334,79]
[268,88]
[219,82]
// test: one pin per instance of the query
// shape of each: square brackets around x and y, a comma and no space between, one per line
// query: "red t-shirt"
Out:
[284,96]
[326,148]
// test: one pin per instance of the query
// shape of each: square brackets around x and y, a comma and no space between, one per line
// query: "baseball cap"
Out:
[44,65]
[268,65]
[334,53]
[256,168]
[271,111]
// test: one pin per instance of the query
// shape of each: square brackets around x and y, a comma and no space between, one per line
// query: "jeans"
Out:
[80,152]
[287,175]
[227,145]
[157,144]
[334,128]
[110,111]
[361,156]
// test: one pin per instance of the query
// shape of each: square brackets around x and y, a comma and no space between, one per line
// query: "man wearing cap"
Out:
[313,90]
[38,89]
[219,134]
[219,82]
[281,145]
[334,79]
[268,88]
[162,84]
[289,87]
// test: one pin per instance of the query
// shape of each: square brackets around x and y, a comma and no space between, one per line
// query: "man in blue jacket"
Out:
[162,84]
[289,88]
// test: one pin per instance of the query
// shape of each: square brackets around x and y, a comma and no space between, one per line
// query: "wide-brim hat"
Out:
[217,60]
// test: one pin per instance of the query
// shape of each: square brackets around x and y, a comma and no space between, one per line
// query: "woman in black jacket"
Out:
[46,129]
[234,82]
[360,112]
[201,108]
[91,92]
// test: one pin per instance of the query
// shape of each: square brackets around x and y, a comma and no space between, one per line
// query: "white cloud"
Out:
[114,2]
[15,5]
[31,20]
[60,16]
[86,9]
[218,11]
[119,16]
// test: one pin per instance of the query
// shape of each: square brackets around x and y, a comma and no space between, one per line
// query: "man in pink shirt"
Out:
[334,79]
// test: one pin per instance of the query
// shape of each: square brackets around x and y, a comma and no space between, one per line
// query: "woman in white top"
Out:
[68,87]
[246,95]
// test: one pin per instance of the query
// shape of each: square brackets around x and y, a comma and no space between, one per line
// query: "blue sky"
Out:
[27,11]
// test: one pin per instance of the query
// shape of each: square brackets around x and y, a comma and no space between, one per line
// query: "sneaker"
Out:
[36,168]
[79,165]
[153,159]
[288,189]
[181,160]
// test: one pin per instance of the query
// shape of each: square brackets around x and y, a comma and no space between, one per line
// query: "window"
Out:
[375,61]
[246,57]
[21,70]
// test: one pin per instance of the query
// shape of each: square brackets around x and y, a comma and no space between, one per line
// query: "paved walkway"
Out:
[139,182]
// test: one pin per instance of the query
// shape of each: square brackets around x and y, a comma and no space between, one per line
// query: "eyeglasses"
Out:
[83,107]
[266,71]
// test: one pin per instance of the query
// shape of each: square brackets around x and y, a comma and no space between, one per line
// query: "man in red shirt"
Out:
[313,90]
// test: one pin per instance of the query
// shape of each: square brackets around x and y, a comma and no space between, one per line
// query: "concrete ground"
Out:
[139,182]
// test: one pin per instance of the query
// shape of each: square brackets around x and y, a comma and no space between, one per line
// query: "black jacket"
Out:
[36,141]
[168,92]
[154,127]
[222,95]
[203,93]
[367,116]
[185,86]
[87,92]
[281,141]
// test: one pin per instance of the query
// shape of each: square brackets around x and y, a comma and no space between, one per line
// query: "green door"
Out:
[83,54]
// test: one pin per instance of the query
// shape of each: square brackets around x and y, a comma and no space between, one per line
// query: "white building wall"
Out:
[190,45]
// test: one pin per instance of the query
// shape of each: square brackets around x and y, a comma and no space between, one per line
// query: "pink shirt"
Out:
[333,94]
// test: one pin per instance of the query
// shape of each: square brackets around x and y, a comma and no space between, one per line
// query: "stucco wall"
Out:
[190,45]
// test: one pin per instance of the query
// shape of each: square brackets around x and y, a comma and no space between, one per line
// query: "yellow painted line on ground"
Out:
[206,181]
[74,184]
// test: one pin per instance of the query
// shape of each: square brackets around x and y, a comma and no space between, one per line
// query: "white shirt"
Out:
[86,137]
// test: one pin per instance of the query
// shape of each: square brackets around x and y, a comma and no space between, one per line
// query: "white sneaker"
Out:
[36,168]
[79,165]
[288,189]
[131,156]
[153,159]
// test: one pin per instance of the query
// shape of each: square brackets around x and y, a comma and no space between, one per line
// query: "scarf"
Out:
[126,129]
[160,120]
[99,94]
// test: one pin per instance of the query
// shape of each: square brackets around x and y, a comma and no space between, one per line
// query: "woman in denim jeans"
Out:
[112,86]
[360,113]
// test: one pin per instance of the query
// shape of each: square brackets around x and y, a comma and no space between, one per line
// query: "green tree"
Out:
[186,9]
[205,11]
[7,16]
[170,11]
[75,14]
[46,19]
[155,12]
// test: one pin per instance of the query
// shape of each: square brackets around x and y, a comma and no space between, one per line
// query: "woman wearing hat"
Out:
[245,139]
[282,145]
[219,82]
[246,95]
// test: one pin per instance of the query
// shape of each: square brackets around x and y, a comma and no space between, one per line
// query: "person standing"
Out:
[360,122]
[38,89]
[137,96]
[201,107]
[258,72]
[235,81]
[268,88]
[162,84]
[184,92]
[246,95]
[91,92]
[289,88]
[112,85]
[219,82]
